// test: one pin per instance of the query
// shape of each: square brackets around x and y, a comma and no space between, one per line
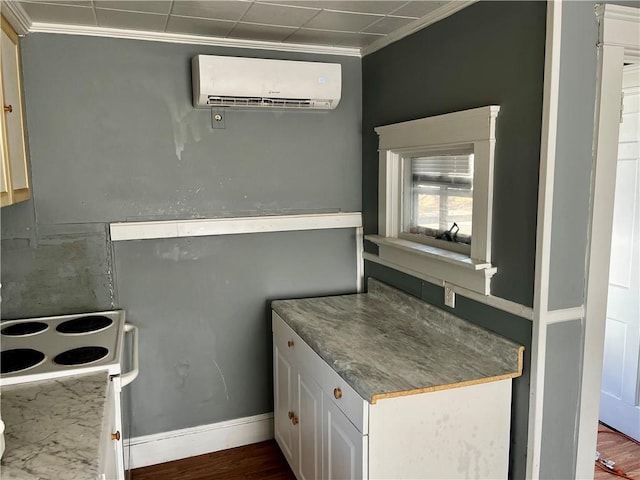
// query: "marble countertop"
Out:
[386,343]
[53,428]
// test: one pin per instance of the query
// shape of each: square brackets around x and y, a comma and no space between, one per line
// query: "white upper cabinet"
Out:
[14,177]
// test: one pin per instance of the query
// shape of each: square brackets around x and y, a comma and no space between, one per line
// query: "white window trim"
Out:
[475,127]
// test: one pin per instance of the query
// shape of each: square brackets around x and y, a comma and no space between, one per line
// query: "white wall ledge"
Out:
[452,267]
[232,226]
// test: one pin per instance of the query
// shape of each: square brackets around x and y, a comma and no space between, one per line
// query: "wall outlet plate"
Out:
[449,296]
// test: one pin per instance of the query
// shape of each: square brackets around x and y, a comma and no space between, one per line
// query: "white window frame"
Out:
[474,127]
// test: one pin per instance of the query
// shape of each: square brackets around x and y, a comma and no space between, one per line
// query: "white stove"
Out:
[51,347]
[46,348]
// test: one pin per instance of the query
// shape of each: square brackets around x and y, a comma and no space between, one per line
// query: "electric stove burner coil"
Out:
[92,323]
[81,355]
[24,328]
[19,359]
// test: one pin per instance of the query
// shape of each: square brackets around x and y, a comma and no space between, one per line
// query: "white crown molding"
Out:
[621,23]
[617,12]
[16,16]
[436,15]
[190,39]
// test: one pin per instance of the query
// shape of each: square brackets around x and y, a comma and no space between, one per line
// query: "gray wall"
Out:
[488,53]
[571,201]
[202,308]
[561,390]
[113,137]
[563,362]
[576,110]
[576,105]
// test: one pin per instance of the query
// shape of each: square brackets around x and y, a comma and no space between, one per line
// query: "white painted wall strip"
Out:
[543,234]
[359,259]
[189,442]
[495,302]
[565,315]
[232,226]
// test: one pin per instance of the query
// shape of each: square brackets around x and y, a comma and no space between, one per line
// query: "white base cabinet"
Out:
[326,430]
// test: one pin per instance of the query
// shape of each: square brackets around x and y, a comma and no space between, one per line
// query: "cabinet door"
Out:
[111,452]
[344,447]
[283,401]
[309,414]
[15,178]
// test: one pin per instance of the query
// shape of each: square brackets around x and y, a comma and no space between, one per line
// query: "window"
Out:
[435,196]
[438,198]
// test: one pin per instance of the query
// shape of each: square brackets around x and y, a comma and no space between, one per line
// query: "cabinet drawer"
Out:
[285,339]
[296,350]
[341,394]
[335,387]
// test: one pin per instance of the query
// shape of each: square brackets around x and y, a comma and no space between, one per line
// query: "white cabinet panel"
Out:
[344,447]
[284,376]
[459,433]
[309,427]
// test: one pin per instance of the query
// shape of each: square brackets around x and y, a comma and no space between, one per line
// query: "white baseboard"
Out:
[189,442]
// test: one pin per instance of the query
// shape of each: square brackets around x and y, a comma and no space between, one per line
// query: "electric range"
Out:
[51,347]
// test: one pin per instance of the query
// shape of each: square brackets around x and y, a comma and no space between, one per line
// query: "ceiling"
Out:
[353,26]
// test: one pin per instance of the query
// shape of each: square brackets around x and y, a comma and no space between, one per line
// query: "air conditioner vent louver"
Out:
[216,101]
[264,83]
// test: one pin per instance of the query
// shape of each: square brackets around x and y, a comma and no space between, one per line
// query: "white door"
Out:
[309,428]
[620,395]
[344,447]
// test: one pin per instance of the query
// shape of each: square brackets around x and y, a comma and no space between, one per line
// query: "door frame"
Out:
[617,44]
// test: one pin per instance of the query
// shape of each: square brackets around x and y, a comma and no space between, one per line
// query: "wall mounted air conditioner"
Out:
[257,82]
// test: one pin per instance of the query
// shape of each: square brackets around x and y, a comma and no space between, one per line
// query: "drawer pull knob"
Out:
[115,436]
[337,393]
[290,343]
[293,418]
[8,108]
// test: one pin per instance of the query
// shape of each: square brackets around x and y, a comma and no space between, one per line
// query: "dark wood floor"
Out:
[264,461]
[260,461]
[625,453]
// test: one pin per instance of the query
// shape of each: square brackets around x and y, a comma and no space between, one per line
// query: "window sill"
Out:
[451,267]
